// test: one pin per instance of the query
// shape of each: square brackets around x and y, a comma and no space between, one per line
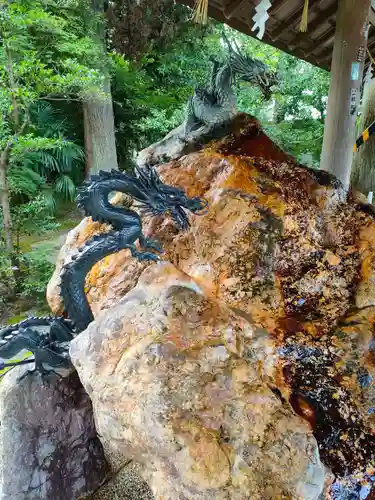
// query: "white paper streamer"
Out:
[261,18]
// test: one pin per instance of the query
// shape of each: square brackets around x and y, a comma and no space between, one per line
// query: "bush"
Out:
[32,218]
[36,272]
[7,280]
[30,281]
[20,274]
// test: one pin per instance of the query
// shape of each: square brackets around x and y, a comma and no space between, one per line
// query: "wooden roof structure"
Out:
[282,28]
[339,32]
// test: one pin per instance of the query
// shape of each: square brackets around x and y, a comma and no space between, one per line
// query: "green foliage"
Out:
[44,163]
[301,138]
[6,273]
[36,274]
[32,271]
[29,218]
[303,89]
[33,217]
[45,54]
[44,159]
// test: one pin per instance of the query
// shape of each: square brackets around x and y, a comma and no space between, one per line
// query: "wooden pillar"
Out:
[349,53]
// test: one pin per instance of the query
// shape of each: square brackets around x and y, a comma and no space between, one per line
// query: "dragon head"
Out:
[251,70]
[254,71]
[161,198]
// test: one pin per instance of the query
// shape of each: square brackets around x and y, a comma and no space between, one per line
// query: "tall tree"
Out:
[100,142]
[31,35]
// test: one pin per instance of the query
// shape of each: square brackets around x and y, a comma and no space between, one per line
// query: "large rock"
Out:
[287,251]
[278,243]
[49,449]
[183,385]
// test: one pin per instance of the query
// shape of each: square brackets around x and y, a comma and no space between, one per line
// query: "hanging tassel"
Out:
[201,12]
[305,17]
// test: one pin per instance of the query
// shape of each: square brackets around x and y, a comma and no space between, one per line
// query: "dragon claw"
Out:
[28,373]
[39,370]
[149,243]
[155,246]
[142,256]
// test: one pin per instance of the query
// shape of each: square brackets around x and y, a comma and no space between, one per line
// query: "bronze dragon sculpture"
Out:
[48,338]
[216,104]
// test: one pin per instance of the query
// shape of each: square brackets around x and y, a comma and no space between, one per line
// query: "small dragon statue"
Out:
[48,338]
[216,104]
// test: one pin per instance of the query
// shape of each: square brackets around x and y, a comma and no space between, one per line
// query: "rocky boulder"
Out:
[286,251]
[271,244]
[184,385]
[49,448]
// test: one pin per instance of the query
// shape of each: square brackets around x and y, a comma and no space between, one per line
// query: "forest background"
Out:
[87,84]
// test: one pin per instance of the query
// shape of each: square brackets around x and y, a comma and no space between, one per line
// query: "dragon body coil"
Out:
[48,338]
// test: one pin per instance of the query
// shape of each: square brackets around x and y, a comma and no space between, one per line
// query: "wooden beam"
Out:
[232,8]
[371,39]
[276,5]
[323,16]
[287,25]
[326,60]
[344,92]
[317,43]
[243,27]
[323,53]
[320,43]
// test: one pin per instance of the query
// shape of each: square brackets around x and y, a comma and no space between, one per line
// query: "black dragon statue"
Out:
[212,107]
[48,338]
[216,104]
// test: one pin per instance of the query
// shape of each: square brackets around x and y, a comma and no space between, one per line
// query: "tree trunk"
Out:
[13,89]
[363,172]
[100,144]
[88,142]
[4,194]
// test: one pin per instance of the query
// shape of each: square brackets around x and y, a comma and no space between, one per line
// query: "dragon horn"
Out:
[155,177]
[141,175]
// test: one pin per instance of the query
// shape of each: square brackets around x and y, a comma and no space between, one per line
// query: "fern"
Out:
[65,187]
[50,199]
[68,155]
[46,120]
[43,157]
